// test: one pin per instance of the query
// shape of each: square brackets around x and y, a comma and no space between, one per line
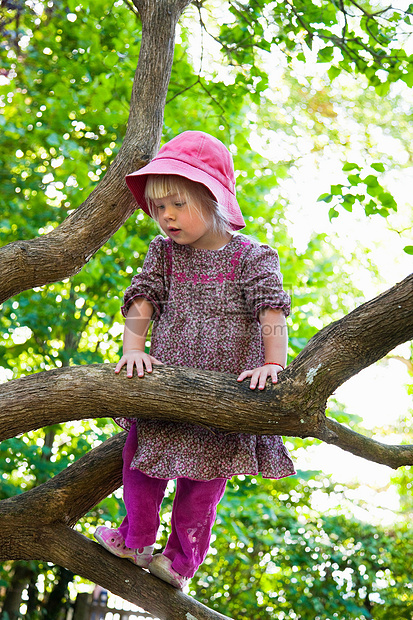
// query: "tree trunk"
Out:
[58,597]
[33,603]
[13,600]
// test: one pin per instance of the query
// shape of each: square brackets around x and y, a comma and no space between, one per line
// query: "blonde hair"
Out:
[197,196]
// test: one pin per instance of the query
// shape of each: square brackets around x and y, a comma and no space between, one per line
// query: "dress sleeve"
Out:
[150,282]
[263,281]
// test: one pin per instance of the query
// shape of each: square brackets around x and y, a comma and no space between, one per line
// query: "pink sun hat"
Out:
[199,157]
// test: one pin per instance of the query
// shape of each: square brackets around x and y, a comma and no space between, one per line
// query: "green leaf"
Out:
[332,213]
[354,179]
[407,78]
[387,200]
[382,88]
[370,208]
[336,190]
[371,181]
[408,249]
[333,72]
[54,140]
[111,59]
[348,201]
[349,166]
[325,54]
[325,198]
[378,166]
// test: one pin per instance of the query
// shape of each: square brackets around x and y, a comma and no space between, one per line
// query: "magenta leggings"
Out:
[193,512]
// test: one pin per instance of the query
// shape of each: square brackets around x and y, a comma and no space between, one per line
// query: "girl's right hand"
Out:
[137,358]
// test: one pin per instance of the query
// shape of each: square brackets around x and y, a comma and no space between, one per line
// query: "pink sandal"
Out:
[161,567]
[113,541]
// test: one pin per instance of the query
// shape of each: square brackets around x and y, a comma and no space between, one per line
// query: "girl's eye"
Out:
[179,204]
[160,207]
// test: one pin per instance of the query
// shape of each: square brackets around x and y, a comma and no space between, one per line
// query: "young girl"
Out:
[217,303]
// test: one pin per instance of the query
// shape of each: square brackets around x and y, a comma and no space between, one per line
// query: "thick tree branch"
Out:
[64,251]
[70,494]
[171,393]
[77,489]
[35,526]
[294,407]
[343,348]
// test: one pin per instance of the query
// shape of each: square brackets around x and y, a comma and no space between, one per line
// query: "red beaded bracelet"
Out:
[275,364]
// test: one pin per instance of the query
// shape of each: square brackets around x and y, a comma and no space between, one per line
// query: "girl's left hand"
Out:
[260,375]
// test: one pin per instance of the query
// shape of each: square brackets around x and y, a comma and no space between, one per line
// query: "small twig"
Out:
[300,19]
[225,47]
[408,363]
[367,14]
[132,7]
[212,97]
[344,29]
[371,33]
[197,81]
[240,13]
[201,23]
[379,58]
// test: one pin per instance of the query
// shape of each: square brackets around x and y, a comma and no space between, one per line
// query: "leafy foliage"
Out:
[292,561]
[367,187]
[347,36]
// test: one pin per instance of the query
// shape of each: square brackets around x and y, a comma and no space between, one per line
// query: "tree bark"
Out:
[295,406]
[64,251]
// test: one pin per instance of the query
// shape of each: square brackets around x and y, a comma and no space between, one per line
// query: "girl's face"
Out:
[185,225]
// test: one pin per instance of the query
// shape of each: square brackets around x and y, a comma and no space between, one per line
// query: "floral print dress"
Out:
[207,304]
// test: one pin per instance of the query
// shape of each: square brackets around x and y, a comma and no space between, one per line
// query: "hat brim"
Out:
[136,182]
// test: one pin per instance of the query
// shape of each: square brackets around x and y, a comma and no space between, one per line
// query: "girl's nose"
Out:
[168,213]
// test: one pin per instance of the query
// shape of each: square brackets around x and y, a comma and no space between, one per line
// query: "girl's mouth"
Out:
[174,231]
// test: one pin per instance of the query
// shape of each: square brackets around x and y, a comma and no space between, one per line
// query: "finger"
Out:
[129,368]
[262,379]
[139,367]
[274,376]
[148,363]
[254,379]
[244,375]
[119,365]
